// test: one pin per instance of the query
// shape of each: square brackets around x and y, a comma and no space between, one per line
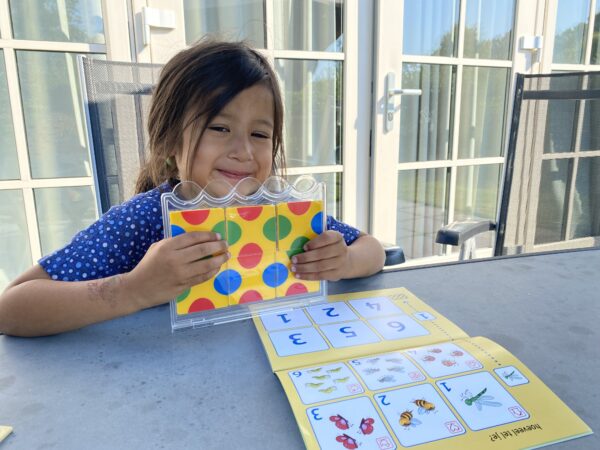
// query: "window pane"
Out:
[488,32]
[308,25]
[477,197]
[9,167]
[482,112]
[54,120]
[421,210]
[571,28]
[430,27]
[61,213]
[595,56]
[590,127]
[561,116]
[426,120]
[15,254]
[233,20]
[313,107]
[61,21]
[585,219]
[551,211]
[333,183]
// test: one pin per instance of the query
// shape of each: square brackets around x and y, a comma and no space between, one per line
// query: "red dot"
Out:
[296,288]
[250,255]
[250,296]
[299,208]
[201,304]
[250,213]
[195,217]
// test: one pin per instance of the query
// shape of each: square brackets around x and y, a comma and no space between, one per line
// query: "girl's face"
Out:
[236,144]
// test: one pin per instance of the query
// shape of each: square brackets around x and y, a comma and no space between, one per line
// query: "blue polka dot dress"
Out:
[117,241]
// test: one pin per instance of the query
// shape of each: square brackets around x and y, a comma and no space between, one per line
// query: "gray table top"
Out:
[130,383]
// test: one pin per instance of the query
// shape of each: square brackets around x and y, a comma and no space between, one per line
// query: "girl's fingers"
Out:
[204,266]
[324,239]
[192,238]
[330,275]
[321,265]
[204,249]
[330,251]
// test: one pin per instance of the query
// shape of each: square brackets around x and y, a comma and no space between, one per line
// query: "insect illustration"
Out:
[480,400]
[428,358]
[407,420]
[321,377]
[435,350]
[340,422]
[398,369]
[337,369]
[386,379]
[371,371]
[348,442]
[366,425]
[456,353]
[328,390]
[341,380]
[424,406]
[372,360]
[513,376]
[318,369]
[448,362]
[394,360]
[313,385]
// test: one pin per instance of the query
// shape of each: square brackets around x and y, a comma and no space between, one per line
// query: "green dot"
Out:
[234,233]
[297,246]
[219,228]
[285,226]
[183,296]
[270,229]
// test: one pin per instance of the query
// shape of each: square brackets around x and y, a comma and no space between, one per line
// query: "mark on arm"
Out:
[105,290]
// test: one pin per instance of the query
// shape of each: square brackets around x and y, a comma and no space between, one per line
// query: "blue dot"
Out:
[275,275]
[317,223]
[227,282]
[176,230]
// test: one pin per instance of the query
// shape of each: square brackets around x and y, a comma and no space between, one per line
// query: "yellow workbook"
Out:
[383,370]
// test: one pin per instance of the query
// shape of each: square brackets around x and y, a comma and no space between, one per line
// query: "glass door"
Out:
[438,156]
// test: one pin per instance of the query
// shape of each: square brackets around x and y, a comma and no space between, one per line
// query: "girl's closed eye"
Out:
[219,128]
[261,134]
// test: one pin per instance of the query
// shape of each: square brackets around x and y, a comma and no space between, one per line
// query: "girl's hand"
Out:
[173,265]
[326,257]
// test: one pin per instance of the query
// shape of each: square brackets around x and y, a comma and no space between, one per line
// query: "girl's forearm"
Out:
[367,257]
[40,306]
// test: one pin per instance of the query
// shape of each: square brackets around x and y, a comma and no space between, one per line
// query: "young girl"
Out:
[216,114]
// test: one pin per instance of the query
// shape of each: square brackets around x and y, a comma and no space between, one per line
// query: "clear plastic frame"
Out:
[265,225]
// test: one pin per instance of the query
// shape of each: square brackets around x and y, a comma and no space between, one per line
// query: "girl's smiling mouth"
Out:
[233,175]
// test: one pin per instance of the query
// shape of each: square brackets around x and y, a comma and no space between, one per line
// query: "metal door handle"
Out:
[390,92]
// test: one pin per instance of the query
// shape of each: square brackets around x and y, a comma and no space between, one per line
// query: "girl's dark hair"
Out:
[193,88]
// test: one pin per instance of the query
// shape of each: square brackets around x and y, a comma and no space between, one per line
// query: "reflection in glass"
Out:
[595,56]
[54,120]
[488,32]
[59,21]
[552,200]
[585,218]
[333,183]
[430,27]
[61,213]
[310,25]
[233,20]
[9,166]
[421,210]
[15,253]
[561,116]
[426,120]
[571,28]
[313,104]
[477,197]
[482,112]
[590,129]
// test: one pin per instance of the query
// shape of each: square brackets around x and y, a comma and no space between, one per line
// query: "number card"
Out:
[331,313]
[388,370]
[296,341]
[375,307]
[295,318]
[398,327]
[349,334]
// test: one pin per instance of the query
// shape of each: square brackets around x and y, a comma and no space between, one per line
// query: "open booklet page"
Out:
[382,370]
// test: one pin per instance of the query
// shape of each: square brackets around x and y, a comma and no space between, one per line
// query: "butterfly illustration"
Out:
[366,426]
[349,442]
[340,422]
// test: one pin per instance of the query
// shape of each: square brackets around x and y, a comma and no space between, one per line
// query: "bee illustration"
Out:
[435,350]
[407,420]
[513,376]
[395,360]
[341,380]
[340,422]
[318,369]
[348,442]
[428,358]
[337,369]
[371,371]
[398,369]
[480,400]
[321,377]
[386,379]
[424,406]
[313,385]
[366,425]
[372,360]
[328,390]
[448,362]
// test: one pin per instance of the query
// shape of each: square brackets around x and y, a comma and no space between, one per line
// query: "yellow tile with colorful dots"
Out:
[287,283]
[251,230]
[248,273]
[298,222]
[207,219]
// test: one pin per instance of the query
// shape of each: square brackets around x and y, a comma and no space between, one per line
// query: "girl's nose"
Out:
[241,149]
